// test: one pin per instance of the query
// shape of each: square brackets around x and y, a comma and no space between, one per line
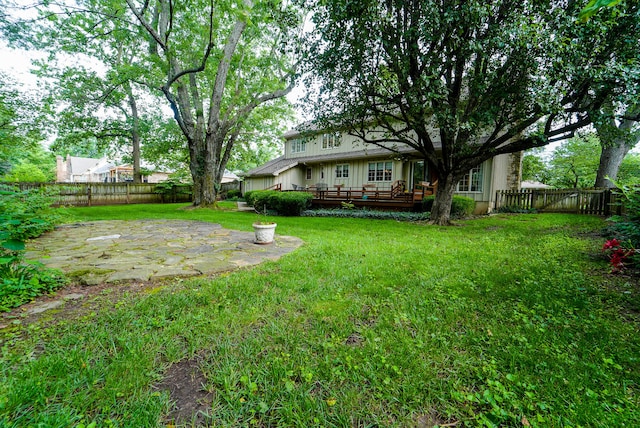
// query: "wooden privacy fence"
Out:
[598,201]
[88,194]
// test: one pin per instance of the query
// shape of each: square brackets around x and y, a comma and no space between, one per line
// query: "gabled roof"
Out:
[78,165]
[281,164]
[303,128]
[273,167]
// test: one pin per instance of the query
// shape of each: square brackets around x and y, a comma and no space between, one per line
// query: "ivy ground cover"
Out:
[509,320]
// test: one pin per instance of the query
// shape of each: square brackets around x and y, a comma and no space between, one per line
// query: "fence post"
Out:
[89,194]
[128,200]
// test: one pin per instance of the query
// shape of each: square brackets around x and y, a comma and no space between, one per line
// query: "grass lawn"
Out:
[509,320]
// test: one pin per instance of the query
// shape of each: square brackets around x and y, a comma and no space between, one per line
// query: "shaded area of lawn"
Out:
[501,320]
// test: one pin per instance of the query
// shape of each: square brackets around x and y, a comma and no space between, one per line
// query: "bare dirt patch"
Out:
[191,403]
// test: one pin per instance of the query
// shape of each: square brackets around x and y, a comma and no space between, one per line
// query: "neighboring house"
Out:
[337,160]
[534,185]
[229,177]
[75,169]
[91,170]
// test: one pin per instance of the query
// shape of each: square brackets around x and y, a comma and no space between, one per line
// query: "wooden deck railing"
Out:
[396,193]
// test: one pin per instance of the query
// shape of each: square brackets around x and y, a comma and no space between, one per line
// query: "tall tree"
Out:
[534,167]
[573,164]
[90,75]
[618,133]
[461,82]
[219,62]
[20,124]
[215,62]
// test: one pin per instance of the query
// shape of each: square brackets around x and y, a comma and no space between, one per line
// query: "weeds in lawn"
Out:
[502,321]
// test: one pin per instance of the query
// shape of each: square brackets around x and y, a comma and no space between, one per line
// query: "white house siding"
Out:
[259,183]
[313,146]
[483,199]
[358,173]
[506,174]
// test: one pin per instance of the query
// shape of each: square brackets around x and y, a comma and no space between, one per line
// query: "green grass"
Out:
[503,320]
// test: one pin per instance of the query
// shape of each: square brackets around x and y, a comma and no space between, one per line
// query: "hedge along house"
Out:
[337,162]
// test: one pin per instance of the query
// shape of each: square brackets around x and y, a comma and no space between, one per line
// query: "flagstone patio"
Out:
[143,250]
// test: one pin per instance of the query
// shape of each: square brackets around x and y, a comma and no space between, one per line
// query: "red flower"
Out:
[611,244]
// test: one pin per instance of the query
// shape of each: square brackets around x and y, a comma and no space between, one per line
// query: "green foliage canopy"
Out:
[461,83]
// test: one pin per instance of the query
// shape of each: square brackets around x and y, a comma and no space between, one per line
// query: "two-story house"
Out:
[314,159]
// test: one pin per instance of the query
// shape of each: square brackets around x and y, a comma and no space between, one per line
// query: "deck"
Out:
[394,198]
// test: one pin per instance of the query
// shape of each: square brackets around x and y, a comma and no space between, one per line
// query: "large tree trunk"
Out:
[205,171]
[611,158]
[441,210]
[617,138]
[135,135]
[204,189]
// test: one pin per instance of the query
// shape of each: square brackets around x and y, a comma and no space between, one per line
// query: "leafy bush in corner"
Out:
[627,226]
[172,188]
[25,214]
[23,280]
[624,250]
[461,206]
[368,214]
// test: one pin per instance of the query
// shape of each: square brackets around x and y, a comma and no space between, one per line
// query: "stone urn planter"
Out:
[264,232]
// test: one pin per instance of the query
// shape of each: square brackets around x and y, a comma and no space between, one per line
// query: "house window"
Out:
[380,171]
[471,182]
[342,170]
[298,146]
[308,175]
[330,141]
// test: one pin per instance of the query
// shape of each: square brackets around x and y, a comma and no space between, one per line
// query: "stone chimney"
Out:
[514,175]
[62,169]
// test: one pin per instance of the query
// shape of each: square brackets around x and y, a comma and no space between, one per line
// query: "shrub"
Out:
[284,203]
[368,214]
[259,198]
[22,281]
[233,193]
[627,226]
[25,214]
[622,251]
[171,188]
[250,196]
[461,206]
[289,203]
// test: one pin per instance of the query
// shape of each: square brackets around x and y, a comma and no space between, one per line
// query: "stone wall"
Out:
[514,175]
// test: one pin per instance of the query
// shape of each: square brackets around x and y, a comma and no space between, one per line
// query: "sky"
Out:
[17,64]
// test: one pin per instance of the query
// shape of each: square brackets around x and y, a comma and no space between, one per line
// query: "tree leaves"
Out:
[593,7]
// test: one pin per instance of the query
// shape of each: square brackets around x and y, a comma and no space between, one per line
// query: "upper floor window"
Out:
[380,171]
[342,170]
[330,141]
[472,181]
[298,146]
